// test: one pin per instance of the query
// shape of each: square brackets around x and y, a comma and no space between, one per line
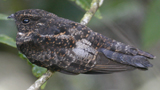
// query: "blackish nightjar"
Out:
[69,47]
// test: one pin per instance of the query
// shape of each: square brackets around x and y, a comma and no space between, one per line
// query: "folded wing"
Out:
[110,61]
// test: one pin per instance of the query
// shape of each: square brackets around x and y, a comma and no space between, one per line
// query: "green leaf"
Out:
[38,71]
[85,4]
[22,55]
[44,85]
[151,29]
[98,14]
[7,40]
[4,17]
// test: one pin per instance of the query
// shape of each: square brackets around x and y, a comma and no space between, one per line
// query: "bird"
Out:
[69,47]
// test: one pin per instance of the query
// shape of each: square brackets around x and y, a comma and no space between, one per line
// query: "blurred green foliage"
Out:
[85,4]
[7,40]
[151,28]
[3,17]
[111,10]
[44,85]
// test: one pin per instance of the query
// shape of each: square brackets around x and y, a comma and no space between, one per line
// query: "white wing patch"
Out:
[84,50]
[21,34]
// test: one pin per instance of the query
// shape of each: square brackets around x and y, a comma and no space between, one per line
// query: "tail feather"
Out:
[113,45]
[136,61]
[107,66]
[109,62]
[146,54]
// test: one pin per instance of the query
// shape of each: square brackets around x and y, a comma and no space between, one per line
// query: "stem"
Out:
[39,82]
[95,4]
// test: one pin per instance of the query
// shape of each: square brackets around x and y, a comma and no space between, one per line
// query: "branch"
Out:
[95,4]
[38,83]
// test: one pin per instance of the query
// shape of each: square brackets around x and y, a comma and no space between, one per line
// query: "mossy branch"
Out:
[39,82]
[95,4]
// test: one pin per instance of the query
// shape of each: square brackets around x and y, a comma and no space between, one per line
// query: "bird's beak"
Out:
[11,16]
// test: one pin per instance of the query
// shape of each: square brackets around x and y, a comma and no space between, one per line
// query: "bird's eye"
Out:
[26,20]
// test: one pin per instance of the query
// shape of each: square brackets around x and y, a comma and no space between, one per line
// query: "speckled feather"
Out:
[63,45]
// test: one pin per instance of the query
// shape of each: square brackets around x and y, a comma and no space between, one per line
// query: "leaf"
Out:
[44,85]
[98,14]
[7,40]
[4,17]
[151,29]
[22,55]
[85,4]
[38,71]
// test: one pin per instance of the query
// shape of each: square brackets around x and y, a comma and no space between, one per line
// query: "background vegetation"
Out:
[135,22]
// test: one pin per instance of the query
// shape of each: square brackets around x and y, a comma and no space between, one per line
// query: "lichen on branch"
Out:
[95,4]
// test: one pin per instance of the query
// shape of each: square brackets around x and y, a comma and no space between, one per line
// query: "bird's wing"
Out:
[105,65]
[116,56]
[133,60]
[99,41]
[110,61]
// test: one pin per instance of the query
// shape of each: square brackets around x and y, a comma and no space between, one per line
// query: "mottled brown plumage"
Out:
[66,46]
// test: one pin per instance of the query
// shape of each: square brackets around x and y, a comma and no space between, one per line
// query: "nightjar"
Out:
[69,47]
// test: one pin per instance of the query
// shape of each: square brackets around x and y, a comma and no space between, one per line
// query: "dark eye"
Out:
[26,20]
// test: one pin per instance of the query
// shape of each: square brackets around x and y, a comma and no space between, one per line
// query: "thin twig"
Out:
[95,4]
[38,83]
[86,18]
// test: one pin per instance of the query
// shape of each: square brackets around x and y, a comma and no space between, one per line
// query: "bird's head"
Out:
[31,20]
